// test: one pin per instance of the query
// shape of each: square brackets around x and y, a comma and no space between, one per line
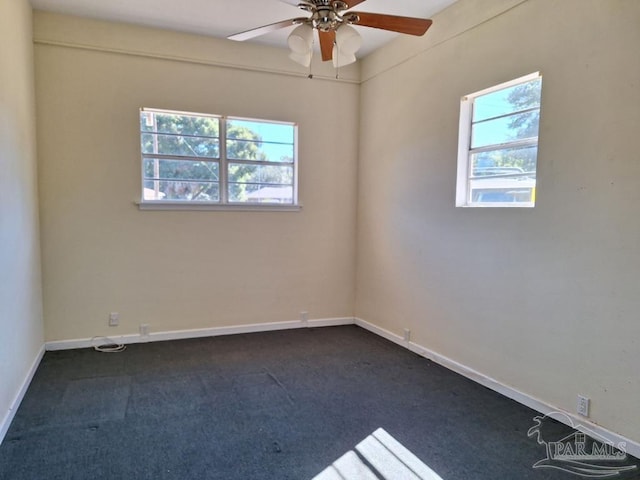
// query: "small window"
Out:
[498,145]
[200,159]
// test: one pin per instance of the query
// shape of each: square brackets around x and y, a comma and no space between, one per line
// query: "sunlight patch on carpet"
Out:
[378,456]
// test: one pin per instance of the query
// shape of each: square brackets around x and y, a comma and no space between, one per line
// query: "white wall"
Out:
[21,330]
[544,300]
[183,270]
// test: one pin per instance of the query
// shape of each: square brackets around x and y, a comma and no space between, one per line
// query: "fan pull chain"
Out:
[310,76]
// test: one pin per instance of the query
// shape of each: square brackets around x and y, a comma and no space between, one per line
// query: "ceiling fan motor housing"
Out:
[325,20]
[325,14]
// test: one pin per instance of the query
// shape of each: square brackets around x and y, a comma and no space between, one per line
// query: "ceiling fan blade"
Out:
[352,3]
[296,3]
[272,27]
[394,23]
[327,39]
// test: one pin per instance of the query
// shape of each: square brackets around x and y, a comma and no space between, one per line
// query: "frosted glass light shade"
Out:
[301,39]
[348,39]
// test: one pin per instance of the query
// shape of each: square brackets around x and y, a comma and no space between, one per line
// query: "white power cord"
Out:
[109,347]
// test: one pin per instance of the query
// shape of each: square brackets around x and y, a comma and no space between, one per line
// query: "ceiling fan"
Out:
[338,40]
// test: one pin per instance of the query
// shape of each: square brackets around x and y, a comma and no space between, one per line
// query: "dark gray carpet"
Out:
[277,405]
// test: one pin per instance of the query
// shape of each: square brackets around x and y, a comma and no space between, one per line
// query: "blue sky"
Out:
[277,139]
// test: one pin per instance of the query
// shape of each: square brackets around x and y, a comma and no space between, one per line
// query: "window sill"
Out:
[498,205]
[201,206]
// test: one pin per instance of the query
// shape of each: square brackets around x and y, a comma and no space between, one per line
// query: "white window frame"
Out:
[465,151]
[223,163]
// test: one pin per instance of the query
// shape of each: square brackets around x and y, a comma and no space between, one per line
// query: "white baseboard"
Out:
[330,322]
[8,417]
[198,333]
[631,447]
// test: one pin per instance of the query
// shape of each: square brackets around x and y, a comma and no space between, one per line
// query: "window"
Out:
[498,145]
[196,159]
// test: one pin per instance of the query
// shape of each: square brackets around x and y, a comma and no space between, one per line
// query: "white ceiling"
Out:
[221,18]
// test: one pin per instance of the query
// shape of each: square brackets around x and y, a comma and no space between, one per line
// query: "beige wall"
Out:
[545,300]
[21,331]
[180,270]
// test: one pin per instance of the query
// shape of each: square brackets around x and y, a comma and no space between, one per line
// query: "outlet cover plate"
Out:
[583,406]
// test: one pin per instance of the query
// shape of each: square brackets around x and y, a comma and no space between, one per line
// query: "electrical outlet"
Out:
[407,334]
[144,329]
[114,319]
[583,406]
[304,317]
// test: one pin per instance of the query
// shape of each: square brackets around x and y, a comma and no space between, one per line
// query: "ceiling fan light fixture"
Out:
[348,39]
[301,39]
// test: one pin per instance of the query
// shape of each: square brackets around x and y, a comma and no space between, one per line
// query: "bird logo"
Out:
[582,452]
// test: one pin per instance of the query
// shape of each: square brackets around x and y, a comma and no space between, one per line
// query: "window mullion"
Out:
[180,135]
[295,166]
[224,174]
[260,162]
[161,156]
[506,115]
[469,125]
[524,142]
